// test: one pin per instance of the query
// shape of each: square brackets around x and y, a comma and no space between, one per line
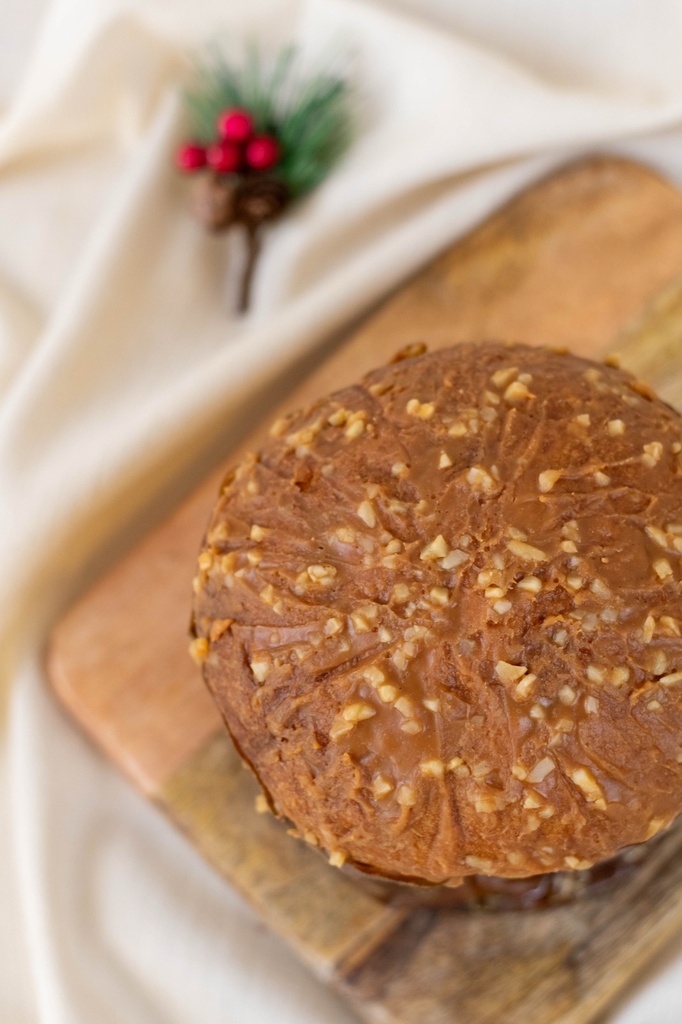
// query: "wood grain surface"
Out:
[591,259]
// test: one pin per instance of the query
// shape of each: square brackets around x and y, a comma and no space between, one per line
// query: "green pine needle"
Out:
[311,119]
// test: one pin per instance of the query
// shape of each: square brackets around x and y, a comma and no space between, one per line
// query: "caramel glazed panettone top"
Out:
[441,614]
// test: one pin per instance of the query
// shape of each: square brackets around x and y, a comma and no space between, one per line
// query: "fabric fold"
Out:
[123,368]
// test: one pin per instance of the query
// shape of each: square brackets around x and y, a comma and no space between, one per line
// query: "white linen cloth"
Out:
[123,373]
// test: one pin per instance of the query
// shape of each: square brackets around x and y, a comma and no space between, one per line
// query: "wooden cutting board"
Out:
[592,259]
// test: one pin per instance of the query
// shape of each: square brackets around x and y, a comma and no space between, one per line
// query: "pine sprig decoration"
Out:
[264,136]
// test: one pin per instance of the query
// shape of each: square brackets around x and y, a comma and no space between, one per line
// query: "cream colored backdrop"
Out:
[123,372]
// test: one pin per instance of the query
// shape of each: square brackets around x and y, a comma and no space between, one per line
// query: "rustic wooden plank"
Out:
[559,966]
[569,262]
[400,963]
[119,659]
[650,344]
[336,917]
[590,258]
[573,260]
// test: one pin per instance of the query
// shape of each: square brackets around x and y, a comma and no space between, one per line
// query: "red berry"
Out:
[224,157]
[190,157]
[235,125]
[262,152]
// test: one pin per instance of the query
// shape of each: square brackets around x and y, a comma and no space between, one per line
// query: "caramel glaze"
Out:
[441,614]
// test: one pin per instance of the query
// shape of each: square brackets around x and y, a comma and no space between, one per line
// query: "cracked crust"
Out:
[441,614]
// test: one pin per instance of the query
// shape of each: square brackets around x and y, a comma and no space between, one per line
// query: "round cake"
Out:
[440,612]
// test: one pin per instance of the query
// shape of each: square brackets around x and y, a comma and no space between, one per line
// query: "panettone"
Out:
[440,611]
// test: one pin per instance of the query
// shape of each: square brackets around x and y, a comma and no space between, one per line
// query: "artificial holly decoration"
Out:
[190,157]
[261,139]
[235,125]
[224,157]
[262,152]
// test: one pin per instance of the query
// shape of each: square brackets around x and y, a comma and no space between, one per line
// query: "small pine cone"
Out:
[260,199]
[213,202]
